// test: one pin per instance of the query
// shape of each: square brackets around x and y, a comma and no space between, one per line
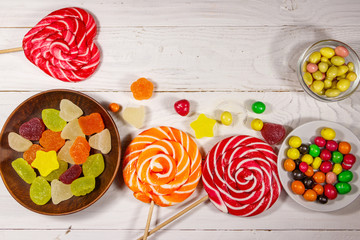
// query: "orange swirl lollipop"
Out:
[163,165]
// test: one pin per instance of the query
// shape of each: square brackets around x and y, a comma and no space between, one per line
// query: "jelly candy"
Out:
[72,130]
[45,162]
[91,124]
[30,154]
[32,129]
[273,133]
[101,141]
[94,165]
[182,107]
[203,126]
[135,116]
[71,174]
[83,185]
[24,170]
[60,191]
[51,140]
[18,143]
[226,118]
[52,119]
[69,111]
[63,166]
[64,153]
[142,89]
[80,150]
[40,191]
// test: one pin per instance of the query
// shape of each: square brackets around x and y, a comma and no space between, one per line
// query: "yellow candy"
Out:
[343,69]
[226,118]
[325,60]
[327,52]
[332,92]
[316,163]
[307,158]
[343,85]
[337,168]
[203,126]
[317,86]
[308,79]
[351,76]
[257,124]
[332,72]
[323,67]
[295,141]
[327,84]
[328,133]
[317,75]
[304,66]
[45,162]
[293,153]
[337,60]
[351,66]
[314,57]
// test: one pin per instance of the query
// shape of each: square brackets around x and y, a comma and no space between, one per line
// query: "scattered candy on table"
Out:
[142,89]
[226,118]
[258,107]
[114,107]
[257,124]
[203,126]
[135,116]
[182,107]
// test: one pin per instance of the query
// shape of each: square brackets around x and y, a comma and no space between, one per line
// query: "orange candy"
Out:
[318,189]
[310,195]
[91,124]
[142,89]
[309,172]
[297,187]
[30,154]
[289,165]
[51,140]
[80,150]
[344,147]
[319,177]
[114,107]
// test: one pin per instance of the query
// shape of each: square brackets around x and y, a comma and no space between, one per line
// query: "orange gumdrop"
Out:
[310,195]
[30,154]
[318,189]
[80,150]
[91,124]
[51,140]
[142,89]
[297,187]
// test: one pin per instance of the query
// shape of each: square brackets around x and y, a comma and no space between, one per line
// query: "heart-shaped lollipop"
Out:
[61,45]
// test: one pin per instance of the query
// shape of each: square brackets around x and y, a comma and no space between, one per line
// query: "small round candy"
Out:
[298,187]
[343,188]
[349,159]
[341,51]
[297,174]
[257,124]
[331,145]
[337,168]
[345,176]
[312,67]
[322,199]
[351,76]
[319,177]
[293,153]
[289,165]
[320,141]
[295,142]
[226,118]
[309,172]
[307,158]
[325,155]
[314,150]
[297,163]
[344,147]
[330,191]
[309,183]
[319,189]
[330,178]
[114,107]
[337,157]
[316,163]
[328,133]
[303,149]
[258,107]
[303,167]
[310,195]
[326,166]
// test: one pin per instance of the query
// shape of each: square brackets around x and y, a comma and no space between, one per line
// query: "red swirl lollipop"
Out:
[61,45]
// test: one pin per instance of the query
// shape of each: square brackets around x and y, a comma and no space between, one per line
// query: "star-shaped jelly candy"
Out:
[45,162]
[203,126]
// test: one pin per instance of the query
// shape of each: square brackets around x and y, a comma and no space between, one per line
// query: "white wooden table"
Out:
[207,52]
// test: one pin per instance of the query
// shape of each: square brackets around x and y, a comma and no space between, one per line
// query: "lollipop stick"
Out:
[148,221]
[11,50]
[179,214]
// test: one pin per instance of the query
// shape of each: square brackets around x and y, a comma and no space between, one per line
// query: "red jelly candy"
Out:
[51,140]
[182,107]
[91,124]
[71,174]
[80,150]
[273,133]
[30,154]
[32,129]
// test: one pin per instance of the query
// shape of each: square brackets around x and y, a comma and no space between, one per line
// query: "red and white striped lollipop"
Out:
[240,176]
[61,45]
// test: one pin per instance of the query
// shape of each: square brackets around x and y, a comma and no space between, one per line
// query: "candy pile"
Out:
[320,170]
[62,140]
[326,72]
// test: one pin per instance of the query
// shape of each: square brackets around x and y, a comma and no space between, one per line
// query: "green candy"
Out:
[343,188]
[94,165]
[314,150]
[82,186]
[24,170]
[40,191]
[337,157]
[52,120]
[63,166]
[345,176]
[258,107]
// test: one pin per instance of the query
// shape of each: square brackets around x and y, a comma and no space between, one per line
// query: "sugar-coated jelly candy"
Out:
[101,141]
[60,191]
[69,111]
[24,170]
[91,124]
[343,188]
[182,107]
[18,143]
[30,154]
[40,191]
[45,162]
[64,153]
[94,165]
[273,133]
[52,119]
[32,129]
[63,166]
[134,116]
[51,140]
[142,89]
[72,130]
[80,150]
[83,186]
[71,174]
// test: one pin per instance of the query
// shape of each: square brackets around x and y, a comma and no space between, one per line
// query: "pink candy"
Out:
[312,67]
[341,51]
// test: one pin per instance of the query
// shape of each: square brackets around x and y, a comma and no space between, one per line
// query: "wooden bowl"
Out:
[32,107]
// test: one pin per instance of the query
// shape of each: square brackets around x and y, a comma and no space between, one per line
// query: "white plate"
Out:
[307,132]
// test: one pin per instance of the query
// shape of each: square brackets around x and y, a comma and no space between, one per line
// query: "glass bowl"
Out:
[352,57]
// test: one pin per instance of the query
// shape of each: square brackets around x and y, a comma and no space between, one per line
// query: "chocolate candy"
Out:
[297,174]
[314,150]
[309,183]
[303,149]
[322,199]
[343,188]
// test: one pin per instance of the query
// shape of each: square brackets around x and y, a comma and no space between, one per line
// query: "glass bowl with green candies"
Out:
[329,70]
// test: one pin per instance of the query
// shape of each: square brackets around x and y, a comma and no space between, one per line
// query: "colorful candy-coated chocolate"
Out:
[303,167]
[182,107]
[309,183]
[293,153]
[320,141]
[345,176]
[298,187]
[226,118]
[349,159]
[297,163]
[330,178]
[337,157]
[307,158]
[257,124]
[328,133]
[331,145]
[295,142]
[297,174]
[343,188]
[337,168]
[326,166]
[303,149]
[319,189]
[344,147]
[309,172]
[325,155]
[310,195]
[330,191]
[316,163]
[314,150]
[289,165]
[319,177]
[341,51]
[258,107]
[322,199]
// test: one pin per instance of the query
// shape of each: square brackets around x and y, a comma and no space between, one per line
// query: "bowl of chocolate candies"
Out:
[328,70]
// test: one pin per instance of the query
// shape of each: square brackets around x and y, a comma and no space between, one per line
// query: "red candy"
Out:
[330,191]
[303,167]
[331,145]
[348,161]
[273,133]
[320,141]
[325,155]
[182,107]
[326,166]
[71,174]
[32,129]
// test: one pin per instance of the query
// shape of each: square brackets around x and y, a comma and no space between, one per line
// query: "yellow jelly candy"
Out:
[315,57]
[203,126]
[45,162]
[308,79]
[337,60]
[135,116]
[257,124]
[226,118]
[332,92]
